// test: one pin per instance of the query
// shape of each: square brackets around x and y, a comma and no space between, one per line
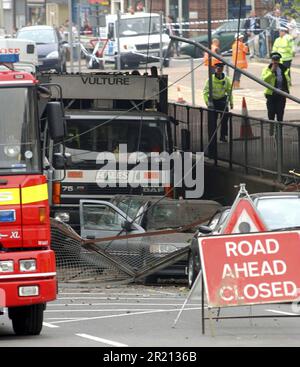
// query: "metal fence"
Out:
[142,258]
[257,145]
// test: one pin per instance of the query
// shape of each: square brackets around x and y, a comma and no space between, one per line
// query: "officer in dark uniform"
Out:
[277,75]
[221,97]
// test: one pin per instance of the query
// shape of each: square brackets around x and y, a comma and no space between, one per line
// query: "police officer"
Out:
[221,96]
[284,45]
[276,74]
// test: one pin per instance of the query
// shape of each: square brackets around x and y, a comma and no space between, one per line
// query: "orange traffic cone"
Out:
[180,98]
[245,131]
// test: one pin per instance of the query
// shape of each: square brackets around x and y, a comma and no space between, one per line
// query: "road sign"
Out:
[243,218]
[252,268]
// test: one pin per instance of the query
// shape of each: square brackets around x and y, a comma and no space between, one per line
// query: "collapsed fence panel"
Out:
[126,258]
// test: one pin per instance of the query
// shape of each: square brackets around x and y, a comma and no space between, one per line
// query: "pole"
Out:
[202,304]
[161,42]
[118,40]
[193,82]
[210,102]
[212,123]
[1,15]
[71,35]
[79,36]
[15,15]
[45,11]
[97,19]
[180,15]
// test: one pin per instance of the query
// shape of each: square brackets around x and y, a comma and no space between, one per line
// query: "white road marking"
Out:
[283,312]
[117,293]
[104,341]
[62,318]
[49,325]
[121,298]
[103,310]
[118,304]
[125,314]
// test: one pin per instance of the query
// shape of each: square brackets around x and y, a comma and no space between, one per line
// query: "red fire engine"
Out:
[27,264]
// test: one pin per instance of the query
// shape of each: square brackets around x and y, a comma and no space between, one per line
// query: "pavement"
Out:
[137,315]
[179,74]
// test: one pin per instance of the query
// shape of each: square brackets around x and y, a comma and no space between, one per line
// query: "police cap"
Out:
[220,64]
[275,56]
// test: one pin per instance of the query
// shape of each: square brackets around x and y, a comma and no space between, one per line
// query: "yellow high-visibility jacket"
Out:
[285,46]
[221,88]
[269,77]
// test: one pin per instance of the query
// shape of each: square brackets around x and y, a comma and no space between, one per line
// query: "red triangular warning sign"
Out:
[243,218]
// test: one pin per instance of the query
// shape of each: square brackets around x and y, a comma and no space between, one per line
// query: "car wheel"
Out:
[64,67]
[166,63]
[122,64]
[191,270]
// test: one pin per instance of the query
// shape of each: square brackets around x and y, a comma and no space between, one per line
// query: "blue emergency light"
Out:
[7,216]
[9,58]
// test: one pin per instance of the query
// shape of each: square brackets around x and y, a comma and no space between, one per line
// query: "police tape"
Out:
[167,59]
[92,56]
[283,22]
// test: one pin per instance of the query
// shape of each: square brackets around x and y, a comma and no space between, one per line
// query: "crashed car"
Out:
[134,215]
[278,210]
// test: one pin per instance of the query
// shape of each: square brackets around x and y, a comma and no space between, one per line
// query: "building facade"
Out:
[17,13]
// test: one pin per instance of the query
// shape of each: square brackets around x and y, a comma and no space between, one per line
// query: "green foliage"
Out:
[291,7]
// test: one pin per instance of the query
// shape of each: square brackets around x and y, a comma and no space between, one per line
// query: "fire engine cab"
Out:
[27,264]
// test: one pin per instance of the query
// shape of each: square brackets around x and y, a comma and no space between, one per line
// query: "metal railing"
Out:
[257,145]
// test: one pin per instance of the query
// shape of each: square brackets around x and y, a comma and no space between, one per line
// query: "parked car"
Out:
[225,33]
[279,211]
[140,214]
[51,48]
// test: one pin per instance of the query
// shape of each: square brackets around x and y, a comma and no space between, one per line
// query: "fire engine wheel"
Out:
[27,320]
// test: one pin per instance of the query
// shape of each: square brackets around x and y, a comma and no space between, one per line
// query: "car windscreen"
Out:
[40,36]
[139,26]
[178,213]
[280,212]
[132,207]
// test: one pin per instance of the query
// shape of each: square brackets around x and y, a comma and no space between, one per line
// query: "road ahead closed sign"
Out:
[251,268]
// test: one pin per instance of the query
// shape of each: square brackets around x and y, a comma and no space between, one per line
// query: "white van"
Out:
[28,59]
[139,39]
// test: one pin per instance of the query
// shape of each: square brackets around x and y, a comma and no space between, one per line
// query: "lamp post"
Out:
[212,123]
[1,15]
[14,14]
[70,40]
